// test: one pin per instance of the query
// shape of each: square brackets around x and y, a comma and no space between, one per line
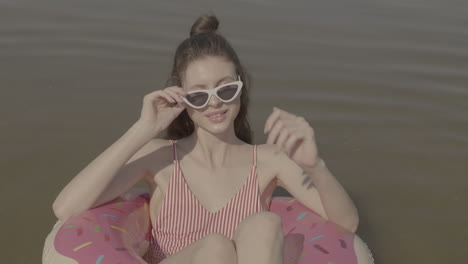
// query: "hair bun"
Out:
[204,24]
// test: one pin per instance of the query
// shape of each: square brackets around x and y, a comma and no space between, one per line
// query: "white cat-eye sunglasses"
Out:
[225,93]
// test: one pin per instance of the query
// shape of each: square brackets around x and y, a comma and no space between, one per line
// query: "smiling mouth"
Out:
[217,115]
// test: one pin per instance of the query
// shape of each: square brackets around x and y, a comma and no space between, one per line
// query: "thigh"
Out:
[208,242]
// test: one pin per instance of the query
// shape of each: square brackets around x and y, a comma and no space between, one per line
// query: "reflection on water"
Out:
[383,83]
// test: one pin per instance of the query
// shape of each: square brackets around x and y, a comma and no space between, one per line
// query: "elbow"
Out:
[350,222]
[353,223]
[349,225]
[60,213]
[65,212]
[57,212]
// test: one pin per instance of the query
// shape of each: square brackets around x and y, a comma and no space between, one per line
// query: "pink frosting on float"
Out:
[108,233]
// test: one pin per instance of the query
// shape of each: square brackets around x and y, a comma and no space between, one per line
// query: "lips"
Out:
[216,112]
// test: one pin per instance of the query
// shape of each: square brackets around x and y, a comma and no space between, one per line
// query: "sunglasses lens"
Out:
[197,99]
[228,92]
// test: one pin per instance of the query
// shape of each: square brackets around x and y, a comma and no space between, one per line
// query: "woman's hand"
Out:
[293,135]
[161,107]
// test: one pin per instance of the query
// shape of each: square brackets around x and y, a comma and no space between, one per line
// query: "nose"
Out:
[214,101]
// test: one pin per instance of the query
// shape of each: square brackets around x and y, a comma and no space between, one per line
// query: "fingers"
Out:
[277,114]
[178,90]
[283,136]
[294,137]
[280,131]
[285,129]
[271,120]
[167,96]
[159,94]
[170,94]
[175,95]
[274,132]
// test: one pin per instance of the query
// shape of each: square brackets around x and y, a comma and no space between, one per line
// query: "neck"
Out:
[214,150]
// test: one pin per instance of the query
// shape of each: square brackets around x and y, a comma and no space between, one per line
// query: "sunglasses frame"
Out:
[214,92]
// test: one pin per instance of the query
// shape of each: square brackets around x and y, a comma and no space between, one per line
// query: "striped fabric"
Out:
[184,220]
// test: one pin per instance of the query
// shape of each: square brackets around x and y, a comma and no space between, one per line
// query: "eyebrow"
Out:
[203,86]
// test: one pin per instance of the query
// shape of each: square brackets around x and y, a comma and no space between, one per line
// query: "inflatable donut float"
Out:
[115,232]
[309,238]
[119,232]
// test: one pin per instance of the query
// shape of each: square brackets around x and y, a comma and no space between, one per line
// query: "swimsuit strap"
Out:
[174,149]
[255,155]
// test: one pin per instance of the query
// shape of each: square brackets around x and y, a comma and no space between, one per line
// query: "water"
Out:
[383,83]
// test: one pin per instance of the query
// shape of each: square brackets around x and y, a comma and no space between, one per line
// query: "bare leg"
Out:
[259,239]
[213,248]
[218,249]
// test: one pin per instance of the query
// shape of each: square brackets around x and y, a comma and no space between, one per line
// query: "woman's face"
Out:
[207,73]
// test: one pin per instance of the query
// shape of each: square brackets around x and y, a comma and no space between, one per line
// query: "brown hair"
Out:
[204,41]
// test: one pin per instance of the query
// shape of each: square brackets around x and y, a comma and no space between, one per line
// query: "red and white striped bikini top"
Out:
[183,219]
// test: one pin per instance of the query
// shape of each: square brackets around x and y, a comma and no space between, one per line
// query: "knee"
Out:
[215,248]
[267,222]
[266,225]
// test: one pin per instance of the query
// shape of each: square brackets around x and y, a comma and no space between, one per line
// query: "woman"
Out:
[210,187]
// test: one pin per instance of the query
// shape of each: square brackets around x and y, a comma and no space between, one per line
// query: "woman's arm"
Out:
[294,138]
[85,189]
[336,201]
[317,189]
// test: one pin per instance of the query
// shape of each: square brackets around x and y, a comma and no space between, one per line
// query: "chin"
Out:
[217,129]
